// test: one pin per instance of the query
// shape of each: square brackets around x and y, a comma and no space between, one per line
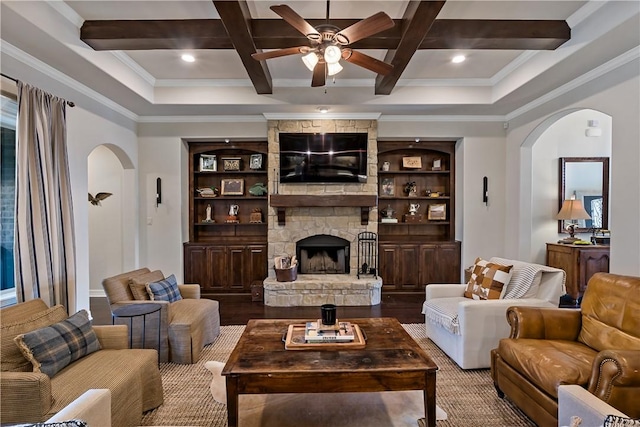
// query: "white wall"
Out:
[85,132]
[615,94]
[105,220]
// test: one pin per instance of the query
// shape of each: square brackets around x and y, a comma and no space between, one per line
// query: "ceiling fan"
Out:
[328,44]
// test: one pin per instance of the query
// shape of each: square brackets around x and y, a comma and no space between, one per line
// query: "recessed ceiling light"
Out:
[323,110]
[188,58]
[458,59]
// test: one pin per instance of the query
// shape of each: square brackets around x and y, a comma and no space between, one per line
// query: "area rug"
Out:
[467,397]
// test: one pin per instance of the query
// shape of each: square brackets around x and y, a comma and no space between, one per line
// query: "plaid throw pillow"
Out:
[487,280]
[52,348]
[165,290]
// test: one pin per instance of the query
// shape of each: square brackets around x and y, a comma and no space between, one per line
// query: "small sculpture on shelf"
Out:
[413,208]
[413,216]
[233,214]
[208,212]
[207,192]
[388,215]
[256,216]
[411,189]
[258,189]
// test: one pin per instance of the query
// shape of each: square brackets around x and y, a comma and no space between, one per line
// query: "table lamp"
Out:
[571,210]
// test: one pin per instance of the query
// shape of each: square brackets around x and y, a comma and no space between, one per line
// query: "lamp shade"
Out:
[572,209]
[310,60]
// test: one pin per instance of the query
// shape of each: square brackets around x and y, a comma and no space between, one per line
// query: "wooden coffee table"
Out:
[391,361]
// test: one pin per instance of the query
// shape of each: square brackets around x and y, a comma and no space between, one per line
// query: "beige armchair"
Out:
[186,326]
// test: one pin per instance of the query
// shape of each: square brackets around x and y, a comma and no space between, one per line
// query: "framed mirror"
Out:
[586,179]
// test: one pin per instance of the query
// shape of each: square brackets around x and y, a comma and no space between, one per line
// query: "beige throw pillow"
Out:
[488,280]
[138,284]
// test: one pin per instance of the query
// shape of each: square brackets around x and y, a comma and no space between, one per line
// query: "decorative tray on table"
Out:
[304,337]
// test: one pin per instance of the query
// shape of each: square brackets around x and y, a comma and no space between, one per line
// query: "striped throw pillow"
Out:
[488,280]
[165,290]
[52,348]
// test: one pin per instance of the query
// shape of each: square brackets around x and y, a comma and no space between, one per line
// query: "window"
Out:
[7,202]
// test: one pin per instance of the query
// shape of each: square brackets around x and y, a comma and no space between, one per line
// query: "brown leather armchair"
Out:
[596,347]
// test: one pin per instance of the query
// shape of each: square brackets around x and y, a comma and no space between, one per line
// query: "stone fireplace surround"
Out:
[341,221]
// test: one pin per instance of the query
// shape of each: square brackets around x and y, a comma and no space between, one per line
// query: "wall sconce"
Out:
[158,191]
[485,191]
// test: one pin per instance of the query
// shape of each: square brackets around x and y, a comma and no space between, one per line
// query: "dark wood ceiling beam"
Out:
[417,20]
[275,34]
[237,20]
[156,34]
[496,34]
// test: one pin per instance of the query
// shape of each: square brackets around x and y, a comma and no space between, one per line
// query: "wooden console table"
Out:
[580,263]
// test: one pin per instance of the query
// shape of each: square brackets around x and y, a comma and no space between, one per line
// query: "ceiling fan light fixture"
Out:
[310,60]
[332,54]
[333,69]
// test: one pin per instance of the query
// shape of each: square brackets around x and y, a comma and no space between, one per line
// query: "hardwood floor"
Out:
[238,309]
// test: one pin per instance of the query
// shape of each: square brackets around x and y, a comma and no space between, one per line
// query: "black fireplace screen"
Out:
[323,254]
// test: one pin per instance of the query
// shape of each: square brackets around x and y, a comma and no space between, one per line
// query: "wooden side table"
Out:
[135,310]
[580,262]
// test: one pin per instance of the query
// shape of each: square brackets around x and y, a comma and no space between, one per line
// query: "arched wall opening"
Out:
[560,135]
[112,241]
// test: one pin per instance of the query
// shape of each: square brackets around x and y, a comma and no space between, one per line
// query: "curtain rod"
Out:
[69,103]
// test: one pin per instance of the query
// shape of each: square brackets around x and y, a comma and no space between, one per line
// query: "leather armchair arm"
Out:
[615,378]
[24,397]
[190,291]
[114,337]
[544,323]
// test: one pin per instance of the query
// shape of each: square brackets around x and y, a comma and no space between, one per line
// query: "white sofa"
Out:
[93,407]
[575,401]
[467,329]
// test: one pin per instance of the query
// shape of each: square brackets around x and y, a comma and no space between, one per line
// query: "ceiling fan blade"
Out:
[364,28]
[319,74]
[366,61]
[259,56]
[296,21]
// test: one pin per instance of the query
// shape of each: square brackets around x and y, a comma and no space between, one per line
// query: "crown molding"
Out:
[134,66]
[465,118]
[512,66]
[321,116]
[619,61]
[62,78]
[202,119]
[67,12]
[203,83]
[584,12]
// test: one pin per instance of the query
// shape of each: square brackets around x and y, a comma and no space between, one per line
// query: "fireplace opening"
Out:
[323,254]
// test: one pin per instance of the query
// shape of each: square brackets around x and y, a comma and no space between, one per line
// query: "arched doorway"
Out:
[560,135]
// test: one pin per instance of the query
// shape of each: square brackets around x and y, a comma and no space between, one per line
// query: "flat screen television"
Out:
[323,157]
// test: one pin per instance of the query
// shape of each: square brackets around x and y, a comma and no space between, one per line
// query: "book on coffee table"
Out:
[316,332]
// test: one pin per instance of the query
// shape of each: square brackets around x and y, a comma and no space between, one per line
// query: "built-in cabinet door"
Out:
[196,265]
[388,258]
[447,266]
[217,261]
[409,273]
[236,268]
[256,264]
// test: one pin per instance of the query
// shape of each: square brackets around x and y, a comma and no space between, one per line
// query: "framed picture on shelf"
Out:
[255,162]
[232,187]
[387,187]
[208,163]
[437,212]
[231,164]
[437,165]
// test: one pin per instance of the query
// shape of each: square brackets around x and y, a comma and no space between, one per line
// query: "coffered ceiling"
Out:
[128,52]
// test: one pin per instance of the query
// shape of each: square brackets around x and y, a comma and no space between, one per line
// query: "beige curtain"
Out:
[44,234]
